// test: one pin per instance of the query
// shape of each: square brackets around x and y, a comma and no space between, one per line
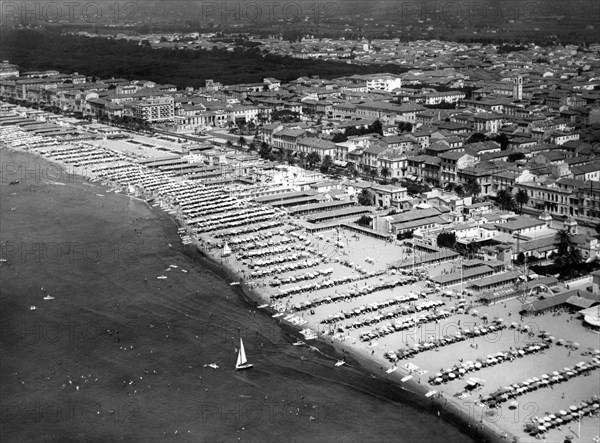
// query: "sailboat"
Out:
[226,250]
[242,362]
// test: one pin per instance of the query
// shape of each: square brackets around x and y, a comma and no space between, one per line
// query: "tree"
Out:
[280,155]
[289,158]
[385,172]
[302,158]
[477,137]
[229,144]
[252,146]
[366,197]
[502,139]
[327,163]
[376,127]
[352,171]
[446,240]
[405,127]
[373,173]
[521,198]
[338,137]
[365,220]
[575,257]
[598,228]
[505,200]
[565,242]
[515,156]
[241,142]
[313,159]
[472,187]
[405,234]
[568,256]
[264,151]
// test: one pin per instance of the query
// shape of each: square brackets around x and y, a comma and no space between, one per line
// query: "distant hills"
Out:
[563,20]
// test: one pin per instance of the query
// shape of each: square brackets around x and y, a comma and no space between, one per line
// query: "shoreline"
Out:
[414,391]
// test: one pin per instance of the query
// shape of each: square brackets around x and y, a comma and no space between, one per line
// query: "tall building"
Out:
[155,109]
[518,88]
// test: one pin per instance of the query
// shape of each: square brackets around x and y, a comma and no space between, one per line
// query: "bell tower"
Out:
[518,88]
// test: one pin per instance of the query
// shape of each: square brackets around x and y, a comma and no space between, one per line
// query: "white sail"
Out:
[241,360]
[226,250]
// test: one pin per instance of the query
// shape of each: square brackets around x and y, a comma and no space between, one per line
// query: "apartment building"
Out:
[154,109]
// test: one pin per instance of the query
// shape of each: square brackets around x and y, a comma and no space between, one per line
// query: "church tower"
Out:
[518,88]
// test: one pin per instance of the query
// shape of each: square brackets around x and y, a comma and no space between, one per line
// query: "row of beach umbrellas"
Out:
[540,425]
[403,326]
[461,369]
[400,311]
[446,340]
[543,381]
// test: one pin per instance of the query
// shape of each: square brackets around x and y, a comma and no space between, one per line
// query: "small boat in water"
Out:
[298,343]
[212,365]
[392,369]
[279,314]
[263,306]
[32,308]
[48,297]
[161,277]
[408,377]
[340,363]
[242,362]
[234,283]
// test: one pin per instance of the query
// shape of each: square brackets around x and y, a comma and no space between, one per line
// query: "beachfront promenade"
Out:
[340,285]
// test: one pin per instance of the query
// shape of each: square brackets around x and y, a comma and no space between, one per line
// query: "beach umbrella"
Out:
[576,345]
[562,412]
